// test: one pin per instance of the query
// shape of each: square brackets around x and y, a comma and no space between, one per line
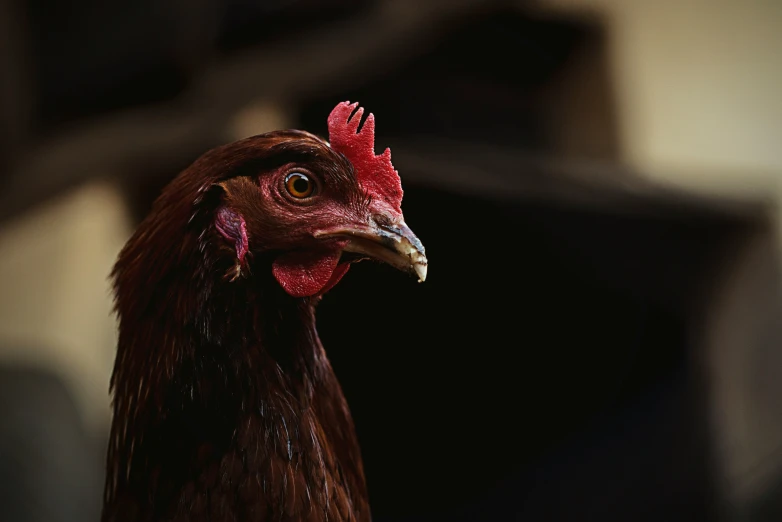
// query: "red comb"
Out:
[376,174]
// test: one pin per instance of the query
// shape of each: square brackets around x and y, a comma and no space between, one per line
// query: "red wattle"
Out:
[340,271]
[306,273]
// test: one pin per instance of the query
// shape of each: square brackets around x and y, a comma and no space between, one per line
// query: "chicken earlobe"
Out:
[231,226]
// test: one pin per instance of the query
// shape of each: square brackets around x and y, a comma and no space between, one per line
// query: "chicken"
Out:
[225,405]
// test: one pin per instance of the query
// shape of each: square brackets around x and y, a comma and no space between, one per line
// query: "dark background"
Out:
[546,370]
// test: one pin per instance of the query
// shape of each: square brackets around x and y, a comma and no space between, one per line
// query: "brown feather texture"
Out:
[225,405]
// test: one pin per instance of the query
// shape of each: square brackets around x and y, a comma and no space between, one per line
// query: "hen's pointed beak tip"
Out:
[420,270]
[408,246]
[394,244]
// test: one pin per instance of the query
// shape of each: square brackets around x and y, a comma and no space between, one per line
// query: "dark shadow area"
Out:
[499,77]
[564,388]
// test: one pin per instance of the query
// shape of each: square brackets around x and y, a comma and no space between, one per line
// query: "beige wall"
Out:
[54,301]
[699,88]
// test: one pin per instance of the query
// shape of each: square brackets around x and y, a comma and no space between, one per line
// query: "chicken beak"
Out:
[394,244]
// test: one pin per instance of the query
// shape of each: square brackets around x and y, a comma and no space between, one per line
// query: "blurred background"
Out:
[611,353]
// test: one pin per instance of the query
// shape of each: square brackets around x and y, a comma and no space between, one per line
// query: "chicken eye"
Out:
[299,185]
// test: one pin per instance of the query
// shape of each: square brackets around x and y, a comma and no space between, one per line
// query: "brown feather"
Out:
[225,405]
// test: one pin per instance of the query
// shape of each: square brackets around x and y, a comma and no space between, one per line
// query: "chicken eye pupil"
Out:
[301,184]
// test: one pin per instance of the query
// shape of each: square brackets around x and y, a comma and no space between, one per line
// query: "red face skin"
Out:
[261,216]
[352,190]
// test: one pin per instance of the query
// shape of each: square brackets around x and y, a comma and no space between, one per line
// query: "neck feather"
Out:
[196,355]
